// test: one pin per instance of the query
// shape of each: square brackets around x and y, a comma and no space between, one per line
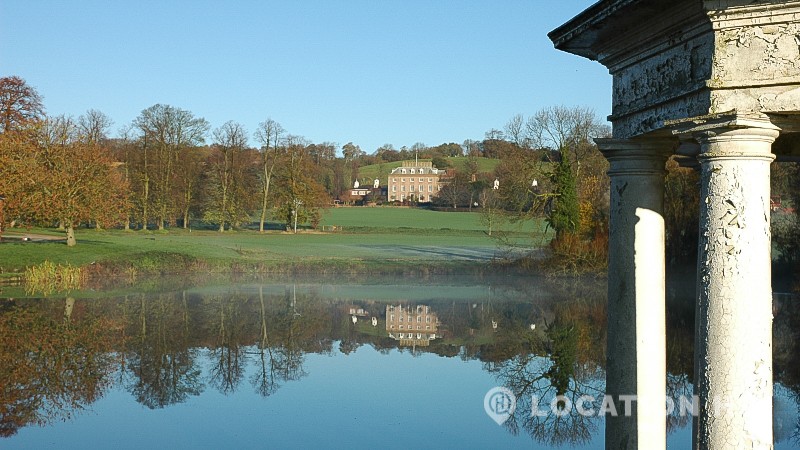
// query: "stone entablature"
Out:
[676,59]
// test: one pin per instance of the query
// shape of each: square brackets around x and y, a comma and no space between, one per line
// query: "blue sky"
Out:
[371,72]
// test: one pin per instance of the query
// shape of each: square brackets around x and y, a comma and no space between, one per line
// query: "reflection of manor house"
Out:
[357,311]
[414,181]
[412,326]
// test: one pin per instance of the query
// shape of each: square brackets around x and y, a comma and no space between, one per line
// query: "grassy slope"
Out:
[382,170]
[425,236]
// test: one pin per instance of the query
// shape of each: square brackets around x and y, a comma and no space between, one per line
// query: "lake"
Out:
[310,362]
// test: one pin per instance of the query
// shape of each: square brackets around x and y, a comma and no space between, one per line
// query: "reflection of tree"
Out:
[228,354]
[679,390]
[161,362]
[292,322]
[265,379]
[532,377]
[290,326]
[350,339]
[50,367]
[786,335]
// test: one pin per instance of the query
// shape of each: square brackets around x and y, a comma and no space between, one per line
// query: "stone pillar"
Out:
[636,355]
[733,334]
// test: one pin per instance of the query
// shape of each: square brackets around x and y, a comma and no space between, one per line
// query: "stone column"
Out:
[733,335]
[636,355]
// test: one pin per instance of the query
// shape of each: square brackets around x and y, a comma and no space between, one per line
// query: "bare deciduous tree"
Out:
[164,131]
[269,135]
[515,130]
[226,175]
[93,126]
[568,130]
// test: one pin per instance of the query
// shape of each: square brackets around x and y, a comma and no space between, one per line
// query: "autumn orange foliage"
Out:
[68,182]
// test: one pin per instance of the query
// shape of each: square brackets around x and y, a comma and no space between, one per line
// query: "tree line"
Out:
[169,167]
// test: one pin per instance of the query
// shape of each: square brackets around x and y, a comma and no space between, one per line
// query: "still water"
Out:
[314,363]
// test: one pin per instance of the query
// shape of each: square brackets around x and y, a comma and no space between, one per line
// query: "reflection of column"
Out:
[636,357]
[733,337]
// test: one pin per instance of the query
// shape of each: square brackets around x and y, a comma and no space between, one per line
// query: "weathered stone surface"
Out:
[726,74]
[757,55]
[667,82]
[636,359]
[690,59]
[734,313]
[652,119]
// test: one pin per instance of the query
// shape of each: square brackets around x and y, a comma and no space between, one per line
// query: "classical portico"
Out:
[716,82]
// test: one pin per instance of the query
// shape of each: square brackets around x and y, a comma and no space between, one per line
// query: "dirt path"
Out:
[14,236]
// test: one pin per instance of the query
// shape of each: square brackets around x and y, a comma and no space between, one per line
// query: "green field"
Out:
[414,218]
[367,236]
[381,171]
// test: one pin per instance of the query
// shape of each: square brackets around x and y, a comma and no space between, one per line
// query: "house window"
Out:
[430,188]
[412,188]
[401,318]
[403,171]
[421,180]
[403,188]
[402,335]
[412,170]
[392,317]
[419,318]
[430,180]
[401,327]
[394,188]
[403,180]
[428,319]
[427,327]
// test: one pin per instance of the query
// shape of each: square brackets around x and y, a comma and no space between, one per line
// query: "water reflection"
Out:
[553,368]
[412,326]
[58,357]
[51,367]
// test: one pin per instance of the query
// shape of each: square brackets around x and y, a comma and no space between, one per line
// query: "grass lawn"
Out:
[376,235]
[387,217]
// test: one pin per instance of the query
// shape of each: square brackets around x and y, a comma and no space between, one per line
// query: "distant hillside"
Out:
[382,171]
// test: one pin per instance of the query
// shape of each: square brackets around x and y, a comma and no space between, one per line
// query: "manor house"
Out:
[415,181]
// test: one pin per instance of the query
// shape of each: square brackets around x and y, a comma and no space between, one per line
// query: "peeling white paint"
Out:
[734,323]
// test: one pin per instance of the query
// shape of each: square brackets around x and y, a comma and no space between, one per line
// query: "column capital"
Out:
[720,123]
[729,135]
[640,156]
